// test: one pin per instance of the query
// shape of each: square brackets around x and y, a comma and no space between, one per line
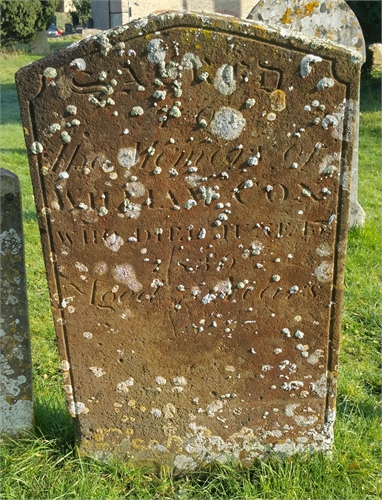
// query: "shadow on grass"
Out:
[10,111]
[371,94]
[30,215]
[19,151]
[52,421]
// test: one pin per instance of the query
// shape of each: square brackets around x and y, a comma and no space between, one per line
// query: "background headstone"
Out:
[69,29]
[16,402]
[376,57]
[329,20]
[89,32]
[40,44]
[191,176]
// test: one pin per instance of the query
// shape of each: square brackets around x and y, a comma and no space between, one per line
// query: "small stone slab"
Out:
[16,401]
[191,177]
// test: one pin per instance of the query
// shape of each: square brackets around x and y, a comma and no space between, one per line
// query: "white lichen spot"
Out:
[214,407]
[228,123]
[325,83]
[36,148]
[71,109]
[182,381]
[50,72]
[306,61]
[135,189]
[88,335]
[10,242]
[124,273]
[225,79]
[314,358]
[324,272]
[96,371]
[169,411]
[249,103]
[65,137]
[79,408]
[320,386]
[128,157]
[65,365]
[324,250]
[102,211]
[113,241]
[123,387]
[160,380]
[81,267]
[207,299]
[329,121]
[137,111]
[79,63]
[175,112]
[156,412]
[160,94]
[155,53]
[202,234]
[286,332]
[54,128]
[191,61]
[253,160]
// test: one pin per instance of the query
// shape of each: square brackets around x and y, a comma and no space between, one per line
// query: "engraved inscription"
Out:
[189,191]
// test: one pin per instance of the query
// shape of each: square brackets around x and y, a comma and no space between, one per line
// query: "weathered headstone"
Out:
[16,402]
[330,20]
[376,57]
[69,29]
[40,44]
[191,178]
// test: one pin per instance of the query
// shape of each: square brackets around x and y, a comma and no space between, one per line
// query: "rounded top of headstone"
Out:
[326,19]
[9,182]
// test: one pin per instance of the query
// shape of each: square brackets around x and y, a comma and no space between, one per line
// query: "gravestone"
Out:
[191,177]
[329,20]
[69,29]
[40,44]
[16,402]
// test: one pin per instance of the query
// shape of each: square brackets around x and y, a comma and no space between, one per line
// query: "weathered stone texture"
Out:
[191,177]
[330,20]
[16,402]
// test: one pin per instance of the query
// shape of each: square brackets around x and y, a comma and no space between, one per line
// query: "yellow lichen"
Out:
[309,8]
[278,100]
[286,19]
[138,444]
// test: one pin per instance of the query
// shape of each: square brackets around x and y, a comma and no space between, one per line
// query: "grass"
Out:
[46,466]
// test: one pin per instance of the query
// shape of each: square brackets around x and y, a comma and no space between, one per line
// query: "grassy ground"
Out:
[46,466]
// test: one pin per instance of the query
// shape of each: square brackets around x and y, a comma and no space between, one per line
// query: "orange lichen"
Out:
[286,19]
[309,8]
